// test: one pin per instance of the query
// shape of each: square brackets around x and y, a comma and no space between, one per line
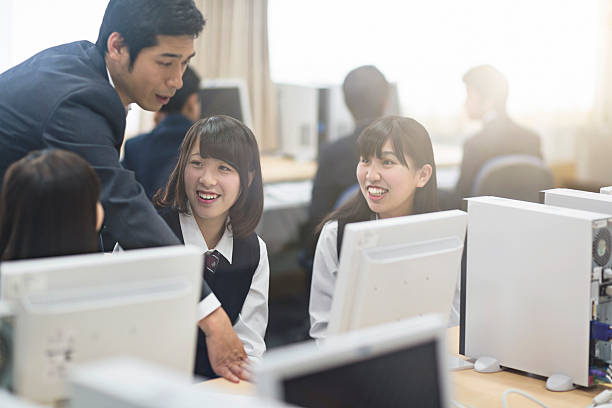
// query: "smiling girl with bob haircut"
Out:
[397,177]
[214,200]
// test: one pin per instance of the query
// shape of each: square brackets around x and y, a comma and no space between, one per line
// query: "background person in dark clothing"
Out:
[486,96]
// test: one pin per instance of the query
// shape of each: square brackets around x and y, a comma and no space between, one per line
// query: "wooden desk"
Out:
[276,169]
[481,390]
[473,389]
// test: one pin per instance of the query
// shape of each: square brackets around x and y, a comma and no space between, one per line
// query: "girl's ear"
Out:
[423,175]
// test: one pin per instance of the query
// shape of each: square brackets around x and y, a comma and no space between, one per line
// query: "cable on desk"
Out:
[601,398]
[519,392]
[460,405]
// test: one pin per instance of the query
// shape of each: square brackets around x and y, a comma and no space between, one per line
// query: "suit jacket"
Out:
[337,164]
[152,156]
[501,136]
[61,98]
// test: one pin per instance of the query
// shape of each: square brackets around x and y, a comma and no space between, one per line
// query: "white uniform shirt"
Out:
[253,318]
[324,275]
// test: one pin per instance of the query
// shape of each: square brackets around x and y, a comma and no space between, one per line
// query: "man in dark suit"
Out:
[365,93]
[487,92]
[76,97]
[152,156]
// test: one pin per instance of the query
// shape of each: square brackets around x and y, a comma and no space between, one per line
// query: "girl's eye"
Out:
[165,64]
[224,168]
[388,162]
[196,163]
[364,160]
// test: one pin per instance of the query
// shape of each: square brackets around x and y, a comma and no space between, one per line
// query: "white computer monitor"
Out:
[81,308]
[397,268]
[134,383]
[399,364]
[578,200]
[226,96]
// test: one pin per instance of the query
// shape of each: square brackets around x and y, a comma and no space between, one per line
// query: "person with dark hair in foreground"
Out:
[76,96]
[49,207]
[152,156]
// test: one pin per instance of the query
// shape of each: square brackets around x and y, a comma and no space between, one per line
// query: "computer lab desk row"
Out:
[470,388]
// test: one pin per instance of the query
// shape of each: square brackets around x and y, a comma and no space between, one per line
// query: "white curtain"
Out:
[234,44]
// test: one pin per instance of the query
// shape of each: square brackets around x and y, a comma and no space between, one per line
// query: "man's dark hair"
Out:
[191,85]
[365,92]
[48,206]
[140,22]
[489,83]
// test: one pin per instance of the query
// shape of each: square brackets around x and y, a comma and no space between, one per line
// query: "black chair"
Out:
[520,177]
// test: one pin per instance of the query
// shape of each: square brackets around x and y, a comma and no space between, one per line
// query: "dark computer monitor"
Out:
[225,97]
[400,364]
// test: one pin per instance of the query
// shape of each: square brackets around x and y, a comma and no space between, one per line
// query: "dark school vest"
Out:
[230,283]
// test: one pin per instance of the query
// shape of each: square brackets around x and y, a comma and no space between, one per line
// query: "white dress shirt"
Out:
[324,275]
[253,318]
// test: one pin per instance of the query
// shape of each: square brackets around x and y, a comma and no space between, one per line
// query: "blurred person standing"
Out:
[486,96]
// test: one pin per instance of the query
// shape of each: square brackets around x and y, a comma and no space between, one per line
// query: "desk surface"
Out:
[276,169]
[474,389]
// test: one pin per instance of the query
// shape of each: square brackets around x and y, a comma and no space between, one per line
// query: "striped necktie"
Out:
[212,260]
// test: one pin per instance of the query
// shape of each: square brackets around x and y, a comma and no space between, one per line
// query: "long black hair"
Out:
[409,138]
[48,206]
[223,138]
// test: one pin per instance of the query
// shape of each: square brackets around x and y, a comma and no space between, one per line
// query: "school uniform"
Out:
[239,279]
[324,275]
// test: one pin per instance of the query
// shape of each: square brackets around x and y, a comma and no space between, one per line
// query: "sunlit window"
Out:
[548,49]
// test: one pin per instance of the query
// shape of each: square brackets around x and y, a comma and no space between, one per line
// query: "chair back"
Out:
[520,177]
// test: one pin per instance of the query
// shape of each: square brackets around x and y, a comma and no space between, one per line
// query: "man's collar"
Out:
[110,79]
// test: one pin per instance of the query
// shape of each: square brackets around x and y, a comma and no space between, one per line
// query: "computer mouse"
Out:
[487,365]
[560,382]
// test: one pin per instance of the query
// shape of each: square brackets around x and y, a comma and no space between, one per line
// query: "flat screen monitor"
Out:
[81,308]
[399,364]
[397,268]
[226,97]
[125,382]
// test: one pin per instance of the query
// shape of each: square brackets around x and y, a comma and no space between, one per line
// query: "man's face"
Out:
[156,73]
